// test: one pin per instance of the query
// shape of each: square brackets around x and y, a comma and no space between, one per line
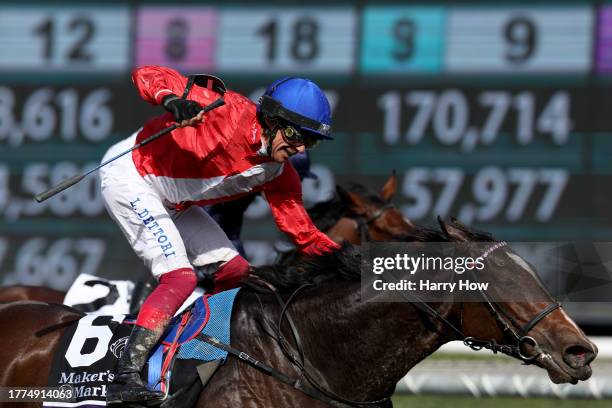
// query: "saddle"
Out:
[210,315]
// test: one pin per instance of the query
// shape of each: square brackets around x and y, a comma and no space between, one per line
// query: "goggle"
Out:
[294,138]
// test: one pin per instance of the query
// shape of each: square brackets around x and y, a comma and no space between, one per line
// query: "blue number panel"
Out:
[402,40]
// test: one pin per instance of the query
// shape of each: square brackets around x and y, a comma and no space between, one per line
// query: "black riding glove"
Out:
[181,109]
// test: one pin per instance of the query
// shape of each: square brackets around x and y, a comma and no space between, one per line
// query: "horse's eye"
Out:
[499,262]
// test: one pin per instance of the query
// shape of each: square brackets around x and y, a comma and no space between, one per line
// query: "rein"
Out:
[519,333]
[310,386]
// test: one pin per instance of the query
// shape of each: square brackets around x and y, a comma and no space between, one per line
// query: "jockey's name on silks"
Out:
[152,225]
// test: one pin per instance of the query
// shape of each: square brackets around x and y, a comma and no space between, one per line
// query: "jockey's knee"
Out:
[230,274]
[182,281]
[173,289]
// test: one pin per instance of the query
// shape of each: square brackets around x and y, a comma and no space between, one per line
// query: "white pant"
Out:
[164,239]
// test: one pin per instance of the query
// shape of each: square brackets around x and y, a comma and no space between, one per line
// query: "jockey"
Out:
[229,214]
[156,193]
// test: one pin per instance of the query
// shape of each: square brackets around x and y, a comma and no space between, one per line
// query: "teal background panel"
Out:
[380,46]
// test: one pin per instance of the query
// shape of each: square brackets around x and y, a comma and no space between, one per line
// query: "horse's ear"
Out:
[458,223]
[453,230]
[357,204]
[389,188]
[442,225]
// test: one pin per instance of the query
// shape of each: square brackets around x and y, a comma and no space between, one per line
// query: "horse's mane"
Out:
[342,264]
[327,213]
[473,234]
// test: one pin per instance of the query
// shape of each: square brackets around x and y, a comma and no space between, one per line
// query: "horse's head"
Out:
[539,331]
[372,216]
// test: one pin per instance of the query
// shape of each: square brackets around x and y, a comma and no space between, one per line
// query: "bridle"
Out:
[364,222]
[509,324]
[307,384]
[519,333]
[312,388]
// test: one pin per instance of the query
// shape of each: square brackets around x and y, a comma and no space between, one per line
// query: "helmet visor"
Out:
[273,109]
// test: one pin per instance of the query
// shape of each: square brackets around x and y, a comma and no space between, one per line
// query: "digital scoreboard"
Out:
[500,115]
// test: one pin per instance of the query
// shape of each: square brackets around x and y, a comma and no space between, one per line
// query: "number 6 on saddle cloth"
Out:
[89,350]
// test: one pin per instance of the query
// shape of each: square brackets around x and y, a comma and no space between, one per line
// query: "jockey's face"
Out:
[281,150]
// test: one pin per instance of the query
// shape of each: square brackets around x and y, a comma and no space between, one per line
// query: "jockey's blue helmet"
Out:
[300,102]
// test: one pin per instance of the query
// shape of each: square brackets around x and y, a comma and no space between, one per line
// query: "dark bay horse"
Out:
[347,216]
[354,350]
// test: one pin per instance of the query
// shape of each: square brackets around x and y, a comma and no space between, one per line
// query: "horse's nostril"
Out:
[577,356]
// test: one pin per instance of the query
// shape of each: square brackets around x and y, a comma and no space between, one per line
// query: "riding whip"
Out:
[40,197]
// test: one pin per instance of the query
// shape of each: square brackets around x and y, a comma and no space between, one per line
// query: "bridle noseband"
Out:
[364,222]
[520,334]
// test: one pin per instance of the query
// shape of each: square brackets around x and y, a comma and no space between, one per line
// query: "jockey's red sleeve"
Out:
[284,195]
[154,83]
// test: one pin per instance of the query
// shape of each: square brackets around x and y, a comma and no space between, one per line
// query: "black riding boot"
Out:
[127,385]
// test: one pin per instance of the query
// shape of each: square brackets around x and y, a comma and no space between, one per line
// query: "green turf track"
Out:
[506,402]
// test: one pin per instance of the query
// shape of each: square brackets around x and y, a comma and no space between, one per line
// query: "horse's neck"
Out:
[362,347]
